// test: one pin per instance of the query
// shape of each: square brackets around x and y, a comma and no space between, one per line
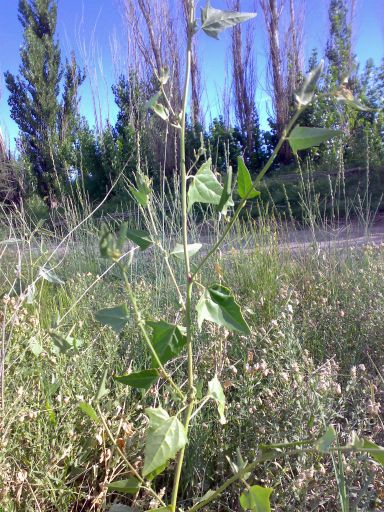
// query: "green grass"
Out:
[316,319]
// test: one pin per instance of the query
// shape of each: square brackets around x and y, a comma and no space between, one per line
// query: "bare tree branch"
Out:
[284,60]
[243,77]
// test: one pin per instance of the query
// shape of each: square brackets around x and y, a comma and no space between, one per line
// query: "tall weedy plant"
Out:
[168,433]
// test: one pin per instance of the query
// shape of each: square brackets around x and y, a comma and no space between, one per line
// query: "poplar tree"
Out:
[34,96]
[339,46]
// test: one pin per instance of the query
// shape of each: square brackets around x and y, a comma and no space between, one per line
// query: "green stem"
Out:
[267,456]
[254,184]
[188,275]
[238,476]
[147,340]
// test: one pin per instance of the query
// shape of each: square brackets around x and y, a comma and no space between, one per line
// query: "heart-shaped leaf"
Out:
[325,442]
[128,486]
[256,499]
[164,75]
[143,379]
[115,317]
[216,392]
[89,411]
[157,416]
[35,347]
[192,249]
[108,245]
[219,306]
[168,340]
[378,455]
[204,187]
[303,137]
[161,111]
[140,238]
[143,191]
[50,276]
[377,452]
[102,390]
[305,95]
[345,96]
[62,344]
[245,187]
[163,443]
[214,21]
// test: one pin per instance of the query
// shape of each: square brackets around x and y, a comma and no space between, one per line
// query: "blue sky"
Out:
[82,22]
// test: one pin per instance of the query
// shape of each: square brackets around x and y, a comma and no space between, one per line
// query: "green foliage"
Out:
[143,379]
[102,390]
[288,409]
[326,441]
[64,344]
[46,125]
[205,187]
[157,107]
[178,250]
[226,144]
[303,137]
[375,451]
[339,46]
[214,21]
[89,411]
[216,392]
[140,238]
[168,340]
[165,437]
[143,191]
[110,246]
[305,391]
[245,188]
[218,305]
[116,317]
[256,499]
[103,158]
[127,486]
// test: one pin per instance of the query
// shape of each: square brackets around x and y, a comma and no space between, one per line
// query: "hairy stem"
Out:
[188,275]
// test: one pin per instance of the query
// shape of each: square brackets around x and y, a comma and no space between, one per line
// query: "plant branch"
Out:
[143,330]
[122,455]
[188,275]
[254,184]
[271,455]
